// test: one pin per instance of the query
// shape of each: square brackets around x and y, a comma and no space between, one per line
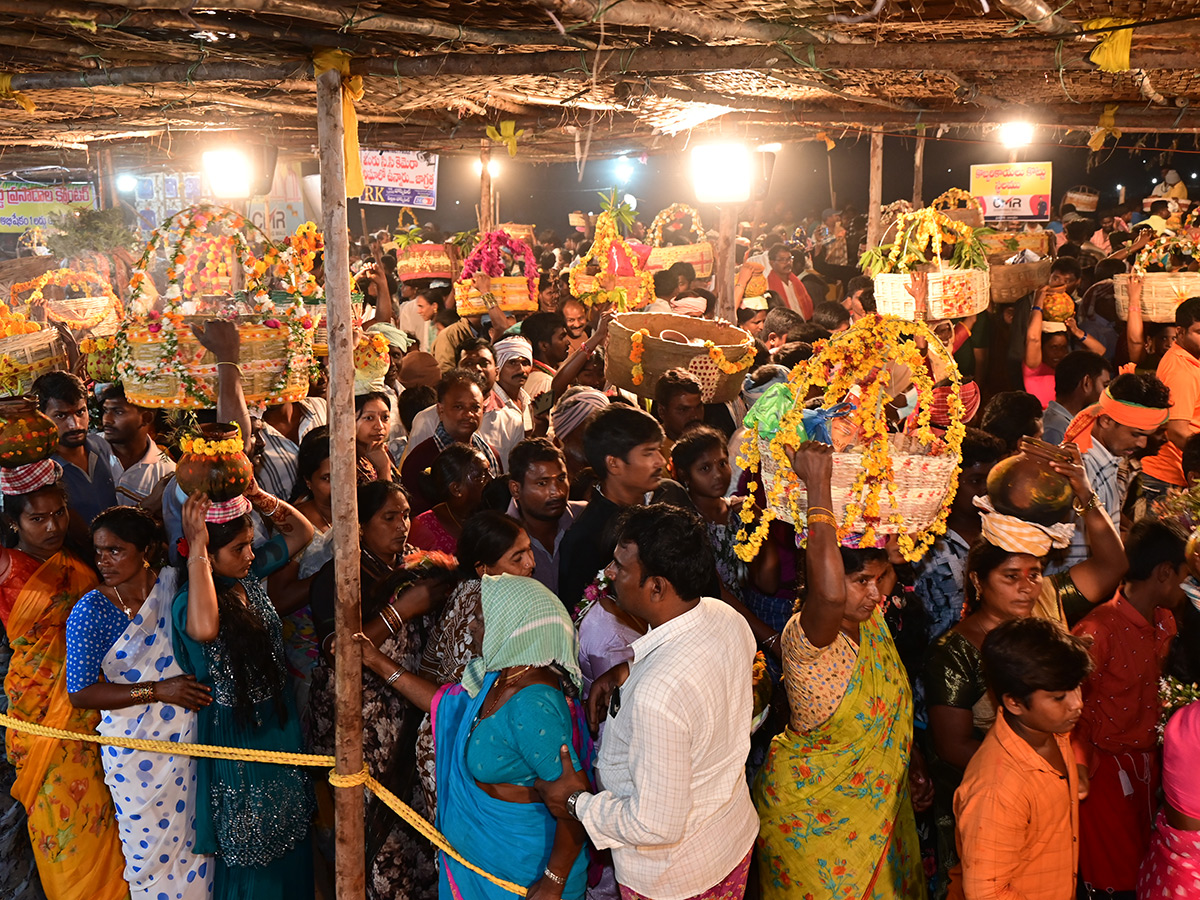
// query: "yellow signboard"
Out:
[1013,190]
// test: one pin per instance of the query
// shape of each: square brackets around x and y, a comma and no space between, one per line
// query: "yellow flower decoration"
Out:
[636,350]
[198,446]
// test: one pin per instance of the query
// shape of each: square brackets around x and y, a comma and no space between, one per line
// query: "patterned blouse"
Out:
[816,678]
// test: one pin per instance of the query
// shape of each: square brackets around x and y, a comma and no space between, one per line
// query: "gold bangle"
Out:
[820,509]
[819,518]
[225,362]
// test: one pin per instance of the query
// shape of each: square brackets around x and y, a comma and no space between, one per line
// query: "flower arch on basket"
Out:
[854,364]
[609,249]
[482,277]
[158,358]
[75,280]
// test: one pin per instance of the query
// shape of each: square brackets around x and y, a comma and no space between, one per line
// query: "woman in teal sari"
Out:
[495,734]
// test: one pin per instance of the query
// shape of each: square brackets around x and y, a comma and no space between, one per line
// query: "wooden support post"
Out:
[348,802]
[362,214]
[486,222]
[919,169]
[832,192]
[725,262]
[875,201]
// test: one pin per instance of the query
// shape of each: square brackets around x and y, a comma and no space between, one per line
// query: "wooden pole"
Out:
[348,802]
[919,169]
[486,222]
[832,192]
[875,202]
[725,262]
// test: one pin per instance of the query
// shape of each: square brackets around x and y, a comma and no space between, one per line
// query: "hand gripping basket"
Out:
[953,294]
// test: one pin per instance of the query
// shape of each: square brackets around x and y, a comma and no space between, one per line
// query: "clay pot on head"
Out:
[222,476]
[1026,487]
[26,435]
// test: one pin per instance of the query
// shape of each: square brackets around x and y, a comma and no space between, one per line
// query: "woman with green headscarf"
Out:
[495,734]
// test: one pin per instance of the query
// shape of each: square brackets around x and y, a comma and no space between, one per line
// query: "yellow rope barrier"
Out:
[277,757]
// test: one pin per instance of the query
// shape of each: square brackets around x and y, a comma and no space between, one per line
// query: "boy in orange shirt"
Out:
[1017,809]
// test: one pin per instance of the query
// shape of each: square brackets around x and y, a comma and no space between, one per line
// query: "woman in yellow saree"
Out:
[72,826]
[836,818]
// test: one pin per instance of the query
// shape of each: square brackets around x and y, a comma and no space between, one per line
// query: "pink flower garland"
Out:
[486,257]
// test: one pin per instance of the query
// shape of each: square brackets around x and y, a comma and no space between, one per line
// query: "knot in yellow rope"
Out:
[362,776]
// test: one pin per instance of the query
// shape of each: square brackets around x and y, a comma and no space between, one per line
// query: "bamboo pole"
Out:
[486,222]
[725,262]
[875,203]
[349,809]
[919,169]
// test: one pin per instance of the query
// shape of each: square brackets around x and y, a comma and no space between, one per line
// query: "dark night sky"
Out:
[543,194]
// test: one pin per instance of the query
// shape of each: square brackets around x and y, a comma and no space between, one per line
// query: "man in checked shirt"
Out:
[674,806]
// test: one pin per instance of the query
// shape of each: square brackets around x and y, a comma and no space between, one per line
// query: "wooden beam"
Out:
[875,201]
[154,93]
[663,17]
[179,73]
[349,811]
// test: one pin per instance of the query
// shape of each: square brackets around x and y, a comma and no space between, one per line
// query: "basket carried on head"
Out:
[1011,282]
[620,279]
[1161,291]
[1010,242]
[26,357]
[1083,198]
[952,294]
[699,253]
[80,314]
[417,261]
[483,282]
[519,231]
[970,214]
[159,360]
[638,354]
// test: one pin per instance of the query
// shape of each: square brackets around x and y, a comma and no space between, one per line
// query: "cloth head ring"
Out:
[573,409]
[29,478]
[1018,536]
[227,510]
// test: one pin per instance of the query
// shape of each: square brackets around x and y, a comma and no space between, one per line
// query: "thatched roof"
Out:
[636,74]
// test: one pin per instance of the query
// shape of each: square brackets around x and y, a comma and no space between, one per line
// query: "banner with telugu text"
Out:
[1019,191]
[24,205]
[399,178]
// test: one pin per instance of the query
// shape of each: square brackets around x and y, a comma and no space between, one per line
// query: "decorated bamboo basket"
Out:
[884,482]
[159,360]
[953,294]
[97,308]
[26,357]
[417,261]
[1083,198]
[1010,242]
[484,281]
[699,253]
[610,273]
[1161,291]
[519,231]
[971,213]
[639,353]
[1012,282]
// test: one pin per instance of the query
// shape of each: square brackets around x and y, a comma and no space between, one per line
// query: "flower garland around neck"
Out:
[487,258]
[852,365]
[637,349]
[624,292]
[1160,250]
[920,235]
[669,215]
[71,279]
[161,323]
[198,446]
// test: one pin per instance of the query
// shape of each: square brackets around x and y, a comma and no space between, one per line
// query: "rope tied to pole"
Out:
[276,757]
[7,93]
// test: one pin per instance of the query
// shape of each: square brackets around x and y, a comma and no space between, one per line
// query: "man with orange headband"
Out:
[1130,410]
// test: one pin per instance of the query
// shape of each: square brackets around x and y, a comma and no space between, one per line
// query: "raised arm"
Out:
[1033,332]
[1098,576]
[222,339]
[1135,330]
[297,531]
[825,603]
[570,369]
[203,620]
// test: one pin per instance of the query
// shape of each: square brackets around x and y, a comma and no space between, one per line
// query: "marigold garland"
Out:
[606,240]
[951,198]
[198,446]
[669,215]
[636,350]
[1160,250]
[74,280]
[717,355]
[851,364]
[920,235]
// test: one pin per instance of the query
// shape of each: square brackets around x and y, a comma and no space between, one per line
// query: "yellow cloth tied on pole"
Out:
[7,93]
[1106,126]
[352,90]
[1112,53]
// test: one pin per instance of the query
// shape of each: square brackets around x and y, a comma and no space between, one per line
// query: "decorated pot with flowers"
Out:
[500,271]
[214,463]
[26,435]
[610,273]
[99,356]
[1057,306]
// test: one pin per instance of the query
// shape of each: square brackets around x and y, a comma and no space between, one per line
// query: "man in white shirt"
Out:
[674,808]
[136,462]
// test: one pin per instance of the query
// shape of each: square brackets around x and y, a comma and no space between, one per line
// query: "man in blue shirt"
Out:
[83,456]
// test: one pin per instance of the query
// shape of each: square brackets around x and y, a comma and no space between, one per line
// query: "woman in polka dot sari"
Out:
[120,659]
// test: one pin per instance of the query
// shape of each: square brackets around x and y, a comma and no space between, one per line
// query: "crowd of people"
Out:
[559,640]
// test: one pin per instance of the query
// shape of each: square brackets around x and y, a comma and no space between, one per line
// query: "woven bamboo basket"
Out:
[1012,282]
[969,216]
[93,312]
[427,261]
[635,292]
[921,486]
[1083,198]
[1161,293]
[26,357]
[264,351]
[511,290]
[660,355]
[700,256]
[1010,242]
[953,294]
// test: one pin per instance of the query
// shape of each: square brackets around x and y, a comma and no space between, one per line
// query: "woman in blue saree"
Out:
[494,735]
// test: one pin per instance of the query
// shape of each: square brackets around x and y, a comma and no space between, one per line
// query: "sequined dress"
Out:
[254,816]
